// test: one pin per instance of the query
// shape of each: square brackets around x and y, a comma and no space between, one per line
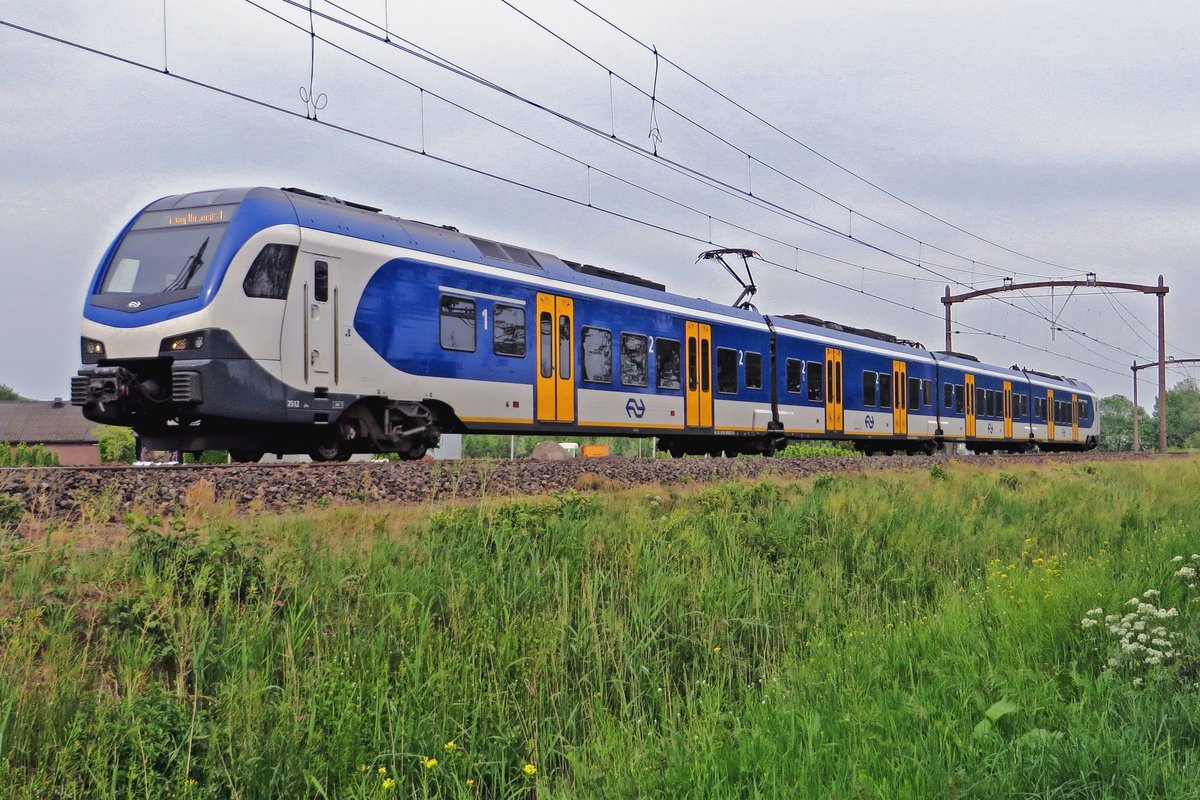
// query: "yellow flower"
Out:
[717,649]
[529,769]
[383,770]
[388,783]
[470,783]
[450,746]
[428,763]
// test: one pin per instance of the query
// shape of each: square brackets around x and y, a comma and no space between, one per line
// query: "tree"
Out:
[1116,424]
[8,393]
[116,444]
[1183,412]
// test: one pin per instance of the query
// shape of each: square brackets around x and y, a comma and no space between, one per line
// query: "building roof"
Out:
[44,422]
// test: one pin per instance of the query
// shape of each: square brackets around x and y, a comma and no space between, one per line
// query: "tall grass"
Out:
[895,635]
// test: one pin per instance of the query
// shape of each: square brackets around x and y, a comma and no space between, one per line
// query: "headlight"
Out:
[91,348]
[188,341]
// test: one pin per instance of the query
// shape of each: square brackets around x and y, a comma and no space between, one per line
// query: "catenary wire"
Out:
[813,151]
[430,57]
[491,175]
[778,171]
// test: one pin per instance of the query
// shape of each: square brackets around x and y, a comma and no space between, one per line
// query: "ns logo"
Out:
[635,408]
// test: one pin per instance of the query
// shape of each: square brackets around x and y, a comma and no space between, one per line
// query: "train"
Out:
[262,320]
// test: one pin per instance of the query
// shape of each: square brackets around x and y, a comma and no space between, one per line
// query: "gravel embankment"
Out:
[65,493]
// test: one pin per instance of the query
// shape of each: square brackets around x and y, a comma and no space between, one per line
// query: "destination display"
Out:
[185,217]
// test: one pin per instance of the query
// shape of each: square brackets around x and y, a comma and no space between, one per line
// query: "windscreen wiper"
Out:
[189,269]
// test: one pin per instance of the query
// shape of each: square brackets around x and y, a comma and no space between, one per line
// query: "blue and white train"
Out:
[281,321]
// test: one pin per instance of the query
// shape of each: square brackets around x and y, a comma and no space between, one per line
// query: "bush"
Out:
[116,444]
[11,511]
[24,455]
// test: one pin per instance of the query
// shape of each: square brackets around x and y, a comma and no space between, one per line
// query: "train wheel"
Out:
[416,452]
[246,456]
[329,451]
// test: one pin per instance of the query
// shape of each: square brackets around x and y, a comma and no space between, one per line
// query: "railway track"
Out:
[65,493]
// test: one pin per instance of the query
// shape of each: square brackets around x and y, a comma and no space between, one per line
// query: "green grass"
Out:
[912,634]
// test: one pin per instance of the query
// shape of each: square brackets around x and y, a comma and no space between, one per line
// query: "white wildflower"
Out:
[1095,612]
[1137,681]
[1150,593]
[1186,572]
[1088,622]
[1177,559]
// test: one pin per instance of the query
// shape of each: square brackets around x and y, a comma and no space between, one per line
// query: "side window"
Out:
[705,367]
[633,359]
[546,332]
[596,364]
[815,372]
[693,383]
[727,370]
[885,390]
[981,402]
[321,282]
[958,398]
[949,394]
[753,371]
[795,375]
[271,273]
[870,388]
[914,394]
[508,332]
[666,363]
[927,393]
[457,323]
[564,347]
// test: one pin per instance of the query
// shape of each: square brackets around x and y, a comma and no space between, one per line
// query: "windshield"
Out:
[167,251]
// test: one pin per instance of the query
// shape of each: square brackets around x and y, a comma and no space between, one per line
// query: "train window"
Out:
[885,390]
[596,364]
[508,333]
[949,395]
[727,369]
[633,359]
[321,287]
[816,381]
[546,331]
[666,363]
[993,398]
[457,323]
[1085,409]
[958,398]
[753,370]
[705,367]
[564,347]
[981,401]
[691,364]
[271,273]
[795,375]
[926,393]
[914,394]
[870,388]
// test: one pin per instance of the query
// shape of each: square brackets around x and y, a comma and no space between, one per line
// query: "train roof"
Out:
[333,215]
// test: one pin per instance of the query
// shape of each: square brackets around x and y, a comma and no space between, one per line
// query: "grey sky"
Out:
[1069,131]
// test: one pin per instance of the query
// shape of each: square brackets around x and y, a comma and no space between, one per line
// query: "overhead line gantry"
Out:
[1160,290]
